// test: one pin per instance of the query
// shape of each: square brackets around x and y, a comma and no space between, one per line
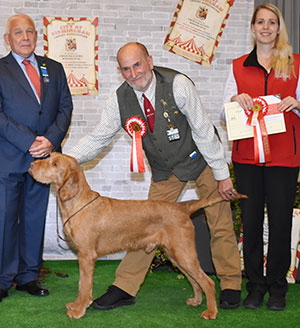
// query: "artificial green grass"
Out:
[160,303]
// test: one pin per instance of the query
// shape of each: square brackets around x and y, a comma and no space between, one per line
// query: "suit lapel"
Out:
[19,75]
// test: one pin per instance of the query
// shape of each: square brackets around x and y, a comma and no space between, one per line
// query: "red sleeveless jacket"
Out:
[253,79]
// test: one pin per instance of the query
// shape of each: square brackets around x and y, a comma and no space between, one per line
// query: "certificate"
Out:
[74,43]
[236,119]
[196,29]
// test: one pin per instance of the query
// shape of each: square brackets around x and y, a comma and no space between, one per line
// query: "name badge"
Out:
[45,73]
[173,134]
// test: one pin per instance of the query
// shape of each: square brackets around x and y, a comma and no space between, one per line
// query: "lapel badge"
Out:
[45,73]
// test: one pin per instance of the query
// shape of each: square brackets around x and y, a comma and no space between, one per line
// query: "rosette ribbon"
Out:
[136,128]
[262,151]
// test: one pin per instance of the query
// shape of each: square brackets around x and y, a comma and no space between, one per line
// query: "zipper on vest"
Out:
[266,82]
[295,144]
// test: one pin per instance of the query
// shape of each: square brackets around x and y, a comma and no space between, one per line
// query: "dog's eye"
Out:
[54,164]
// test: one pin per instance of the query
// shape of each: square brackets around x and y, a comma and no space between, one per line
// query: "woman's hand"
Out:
[289,103]
[244,100]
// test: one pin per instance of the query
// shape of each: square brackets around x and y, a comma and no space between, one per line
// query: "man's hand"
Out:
[41,147]
[226,190]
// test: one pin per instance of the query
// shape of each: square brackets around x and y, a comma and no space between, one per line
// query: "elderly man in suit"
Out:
[35,113]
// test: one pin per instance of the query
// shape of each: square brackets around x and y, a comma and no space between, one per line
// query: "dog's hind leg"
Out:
[184,255]
[197,299]
[78,308]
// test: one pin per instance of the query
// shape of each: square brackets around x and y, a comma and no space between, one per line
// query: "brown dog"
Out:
[101,225]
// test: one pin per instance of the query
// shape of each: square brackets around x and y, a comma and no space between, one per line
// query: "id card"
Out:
[173,134]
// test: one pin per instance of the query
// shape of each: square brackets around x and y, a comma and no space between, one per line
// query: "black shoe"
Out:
[3,294]
[34,288]
[230,299]
[254,300]
[276,303]
[113,298]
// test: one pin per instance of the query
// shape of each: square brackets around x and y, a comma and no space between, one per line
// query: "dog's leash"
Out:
[70,217]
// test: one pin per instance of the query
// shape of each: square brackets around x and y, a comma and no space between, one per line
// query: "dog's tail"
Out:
[194,205]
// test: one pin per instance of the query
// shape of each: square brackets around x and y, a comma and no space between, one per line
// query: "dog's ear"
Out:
[70,186]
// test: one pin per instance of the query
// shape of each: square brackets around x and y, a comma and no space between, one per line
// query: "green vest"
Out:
[180,157]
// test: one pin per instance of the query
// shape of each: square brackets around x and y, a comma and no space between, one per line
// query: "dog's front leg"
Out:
[85,289]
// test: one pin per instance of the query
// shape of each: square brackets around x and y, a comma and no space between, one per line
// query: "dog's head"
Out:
[60,170]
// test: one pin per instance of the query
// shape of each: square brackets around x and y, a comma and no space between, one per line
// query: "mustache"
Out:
[136,78]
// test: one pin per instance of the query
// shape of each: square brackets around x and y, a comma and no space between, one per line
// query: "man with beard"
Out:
[181,145]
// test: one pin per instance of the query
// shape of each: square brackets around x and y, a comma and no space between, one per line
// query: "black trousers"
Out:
[276,187]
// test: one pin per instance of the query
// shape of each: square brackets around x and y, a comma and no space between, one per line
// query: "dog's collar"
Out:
[70,217]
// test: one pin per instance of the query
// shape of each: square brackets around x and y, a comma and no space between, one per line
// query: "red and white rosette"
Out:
[262,151]
[136,128]
[297,263]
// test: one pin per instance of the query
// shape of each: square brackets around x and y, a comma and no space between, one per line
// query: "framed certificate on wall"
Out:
[196,29]
[74,43]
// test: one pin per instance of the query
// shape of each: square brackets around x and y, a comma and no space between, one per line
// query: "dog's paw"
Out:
[193,301]
[70,305]
[208,315]
[76,313]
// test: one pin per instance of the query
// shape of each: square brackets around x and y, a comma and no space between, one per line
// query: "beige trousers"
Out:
[132,270]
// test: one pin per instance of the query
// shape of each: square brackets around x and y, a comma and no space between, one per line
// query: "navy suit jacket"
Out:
[22,118]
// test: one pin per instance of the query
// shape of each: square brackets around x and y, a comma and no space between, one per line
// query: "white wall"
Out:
[121,21]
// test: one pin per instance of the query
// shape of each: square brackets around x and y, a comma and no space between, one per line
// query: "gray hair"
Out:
[14,17]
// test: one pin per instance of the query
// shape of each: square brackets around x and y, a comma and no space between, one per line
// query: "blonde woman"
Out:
[270,178]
